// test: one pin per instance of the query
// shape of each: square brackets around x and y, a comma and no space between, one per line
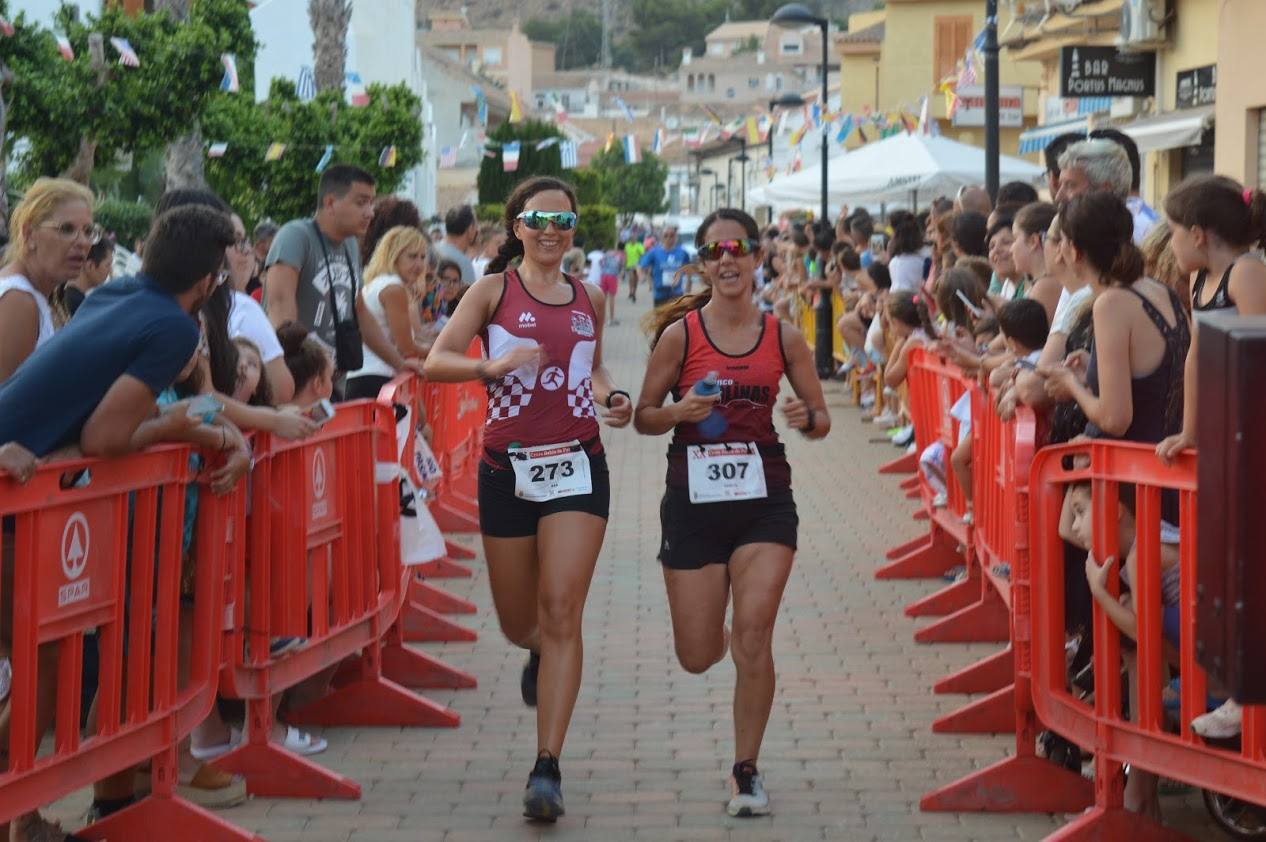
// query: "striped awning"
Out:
[1037,139]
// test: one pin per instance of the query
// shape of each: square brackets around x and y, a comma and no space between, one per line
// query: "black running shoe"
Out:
[748,796]
[527,684]
[543,800]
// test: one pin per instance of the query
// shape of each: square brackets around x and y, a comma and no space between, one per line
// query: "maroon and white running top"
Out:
[551,402]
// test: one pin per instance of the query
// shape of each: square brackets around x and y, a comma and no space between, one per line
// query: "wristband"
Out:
[615,392]
[808,428]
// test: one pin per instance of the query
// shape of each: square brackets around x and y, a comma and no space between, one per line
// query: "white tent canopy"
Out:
[892,170]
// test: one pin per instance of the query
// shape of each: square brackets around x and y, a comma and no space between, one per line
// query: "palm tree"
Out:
[329,20]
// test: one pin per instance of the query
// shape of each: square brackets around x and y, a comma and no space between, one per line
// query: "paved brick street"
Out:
[849,750]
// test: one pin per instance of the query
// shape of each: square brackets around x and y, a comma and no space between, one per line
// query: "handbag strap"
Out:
[329,273]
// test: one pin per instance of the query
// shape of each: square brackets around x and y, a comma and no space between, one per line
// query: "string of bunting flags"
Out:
[276,150]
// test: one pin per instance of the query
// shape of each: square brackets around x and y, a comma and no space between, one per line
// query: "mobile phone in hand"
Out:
[204,405]
[321,411]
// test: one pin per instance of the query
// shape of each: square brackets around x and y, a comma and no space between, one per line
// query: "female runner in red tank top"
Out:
[543,484]
[728,516]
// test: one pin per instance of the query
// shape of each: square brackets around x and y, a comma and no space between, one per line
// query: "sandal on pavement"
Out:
[212,752]
[302,743]
[213,789]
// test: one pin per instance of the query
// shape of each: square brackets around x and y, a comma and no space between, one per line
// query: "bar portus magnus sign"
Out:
[1105,71]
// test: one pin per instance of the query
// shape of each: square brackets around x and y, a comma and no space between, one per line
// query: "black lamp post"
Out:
[992,175]
[743,158]
[795,15]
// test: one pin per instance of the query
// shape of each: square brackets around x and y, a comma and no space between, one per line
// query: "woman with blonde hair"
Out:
[50,233]
[388,297]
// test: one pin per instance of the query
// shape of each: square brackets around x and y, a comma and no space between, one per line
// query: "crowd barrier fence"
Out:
[1015,567]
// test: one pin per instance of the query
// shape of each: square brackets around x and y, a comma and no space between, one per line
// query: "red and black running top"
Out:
[749,390]
[551,402]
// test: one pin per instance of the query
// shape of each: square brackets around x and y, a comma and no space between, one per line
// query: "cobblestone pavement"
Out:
[849,749]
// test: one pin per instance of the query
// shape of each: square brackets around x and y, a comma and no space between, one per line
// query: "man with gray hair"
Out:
[1104,165]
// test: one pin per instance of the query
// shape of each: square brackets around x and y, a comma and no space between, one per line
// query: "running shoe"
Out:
[543,800]
[904,436]
[748,797]
[885,420]
[1220,724]
[940,501]
[527,683]
[868,399]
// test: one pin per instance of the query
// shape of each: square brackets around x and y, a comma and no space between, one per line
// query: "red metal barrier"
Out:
[421,616]
[105,553]
[1145,742]
[1002,455]
[933,386]
[321,561]
[457,412]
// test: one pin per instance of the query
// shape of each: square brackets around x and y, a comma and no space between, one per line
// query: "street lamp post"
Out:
[743,158]
[992,176]
[796,15]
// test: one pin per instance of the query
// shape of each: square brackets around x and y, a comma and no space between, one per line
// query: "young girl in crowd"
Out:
[912,326]
[1214,224]
[252,381]
[1028,254]
[728,515]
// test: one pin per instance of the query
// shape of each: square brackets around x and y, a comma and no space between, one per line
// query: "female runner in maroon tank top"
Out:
[728,517]
[543,484]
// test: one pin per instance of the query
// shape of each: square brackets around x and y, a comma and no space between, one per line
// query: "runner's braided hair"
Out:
[512,248]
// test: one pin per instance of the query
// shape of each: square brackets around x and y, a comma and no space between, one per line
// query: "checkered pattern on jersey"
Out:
[506,398]
[581,400]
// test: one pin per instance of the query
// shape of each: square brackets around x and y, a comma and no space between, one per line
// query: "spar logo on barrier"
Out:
[75,543]
[320,505]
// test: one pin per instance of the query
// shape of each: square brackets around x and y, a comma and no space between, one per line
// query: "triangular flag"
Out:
[569,154]
[63,47]
[753,132]
[357,96]
[798,135]
[657,142]
[923,116]
[510,156]
[6,28]
[713,116]
[632,152]
[217,149]
[275,151]
[481,104]
[628,112]
[560,113]
[387,158]
[846,128]
[610,142]
[547,143]
[127,55]
[229,83]
[326,157]
[305,86]
[516,110]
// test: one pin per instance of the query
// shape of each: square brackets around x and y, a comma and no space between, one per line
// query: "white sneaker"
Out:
[886,420]
[968,518]
[748,797]
[940,501]
[1220,724]
[868,400]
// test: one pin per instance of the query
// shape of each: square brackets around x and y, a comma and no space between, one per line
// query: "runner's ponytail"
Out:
[657,321]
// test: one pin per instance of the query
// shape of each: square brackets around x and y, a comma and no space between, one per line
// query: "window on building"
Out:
[540,101]
[951,36]
[454,53]
[492,56]
[729,93]
[716,48]
[753,82]
[791,45]
[690,82]
[712,81]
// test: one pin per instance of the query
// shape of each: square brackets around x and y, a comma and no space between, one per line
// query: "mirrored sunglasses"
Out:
[538,220]
[734,248]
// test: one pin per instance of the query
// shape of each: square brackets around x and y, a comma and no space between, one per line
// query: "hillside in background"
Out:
[575,25]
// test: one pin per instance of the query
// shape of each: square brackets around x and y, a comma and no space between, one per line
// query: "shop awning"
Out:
[1035,140]
[1171,130]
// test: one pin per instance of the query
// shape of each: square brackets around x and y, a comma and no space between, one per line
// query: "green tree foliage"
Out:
[576,37]
[113,108]
[631,188]
[286,189]
[128,220]
[494,183]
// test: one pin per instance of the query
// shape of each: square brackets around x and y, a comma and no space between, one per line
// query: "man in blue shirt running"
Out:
[661,263]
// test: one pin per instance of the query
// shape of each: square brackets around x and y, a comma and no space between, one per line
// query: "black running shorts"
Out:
[503,515]
[698,534]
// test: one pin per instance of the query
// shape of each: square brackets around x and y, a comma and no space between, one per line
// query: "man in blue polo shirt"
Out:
[661,263]
[95,382]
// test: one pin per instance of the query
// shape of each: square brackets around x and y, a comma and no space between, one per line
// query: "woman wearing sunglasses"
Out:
[728,516]
[543,484]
